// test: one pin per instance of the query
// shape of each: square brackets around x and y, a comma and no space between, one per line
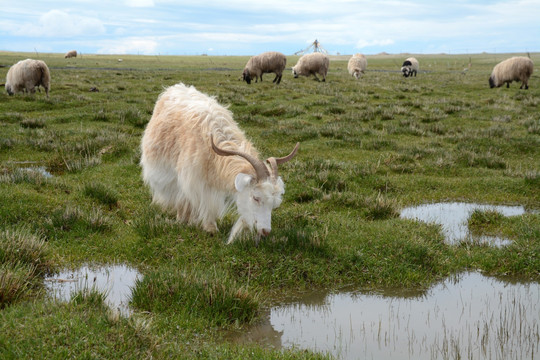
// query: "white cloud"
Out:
[130,46]
[243,27]
[56,23]
[367,43]
[139,3]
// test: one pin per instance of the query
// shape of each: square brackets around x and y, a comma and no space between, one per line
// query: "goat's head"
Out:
[257,196]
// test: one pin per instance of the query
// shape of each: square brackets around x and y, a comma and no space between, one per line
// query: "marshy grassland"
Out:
[71,194]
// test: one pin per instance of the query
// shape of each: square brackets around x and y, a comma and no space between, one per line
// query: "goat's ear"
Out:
[241,181]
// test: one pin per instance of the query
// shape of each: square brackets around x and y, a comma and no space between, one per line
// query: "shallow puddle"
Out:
[453,219]
[115,281]
[40,170]
[469,316]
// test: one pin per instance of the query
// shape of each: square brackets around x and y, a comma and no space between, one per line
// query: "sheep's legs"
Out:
[277,79]
[237,228]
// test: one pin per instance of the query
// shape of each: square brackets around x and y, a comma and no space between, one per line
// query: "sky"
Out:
[238,27]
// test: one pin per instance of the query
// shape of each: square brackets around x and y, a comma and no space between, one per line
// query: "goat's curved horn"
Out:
[274,162]
[260,169]
[288,157]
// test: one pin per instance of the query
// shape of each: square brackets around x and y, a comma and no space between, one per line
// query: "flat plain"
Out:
[71,194]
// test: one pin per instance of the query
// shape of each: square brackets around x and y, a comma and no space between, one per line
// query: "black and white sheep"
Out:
[312,64]
[357,65]
[70,54]
[267,62]
[26,75]
[518,68]
[410,66]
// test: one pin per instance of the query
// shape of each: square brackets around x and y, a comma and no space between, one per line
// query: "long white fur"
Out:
[186,175]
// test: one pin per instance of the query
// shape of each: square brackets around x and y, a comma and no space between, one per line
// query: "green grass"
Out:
[368,148]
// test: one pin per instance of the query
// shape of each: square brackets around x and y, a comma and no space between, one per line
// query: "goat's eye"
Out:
[257,199]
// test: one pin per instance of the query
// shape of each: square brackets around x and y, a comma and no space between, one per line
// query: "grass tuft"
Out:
[24,258]
[381,207]
[32,123]
[101,193]
[210,295]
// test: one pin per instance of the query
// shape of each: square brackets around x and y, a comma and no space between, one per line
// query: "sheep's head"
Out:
[246,76]
[492,82]
[8,89]
[256,197]
[295,74]
[406,71]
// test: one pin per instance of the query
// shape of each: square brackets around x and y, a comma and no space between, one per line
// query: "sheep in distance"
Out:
[267,62]
[312,64]
[410,66]
[26,75]
[357,65]
[518,68]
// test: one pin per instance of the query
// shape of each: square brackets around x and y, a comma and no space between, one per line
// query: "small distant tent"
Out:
[313,47]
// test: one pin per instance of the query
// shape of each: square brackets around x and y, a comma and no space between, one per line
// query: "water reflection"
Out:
[116,281]
[453,219]
[39,170]
[469,316]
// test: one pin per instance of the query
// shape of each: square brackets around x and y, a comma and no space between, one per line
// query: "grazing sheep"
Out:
[410,66]
[312,64]
[267,62]
[197,161]
[357,65]
[70,54]
[518,68]
[26,75]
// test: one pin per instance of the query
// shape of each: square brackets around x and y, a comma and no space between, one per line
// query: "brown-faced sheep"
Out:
[410,66]
[70,54]
[518,68]
[267,62]
[26,75]
[357,65]
[312,64]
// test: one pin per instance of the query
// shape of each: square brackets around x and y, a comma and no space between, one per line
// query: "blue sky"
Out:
[235,27]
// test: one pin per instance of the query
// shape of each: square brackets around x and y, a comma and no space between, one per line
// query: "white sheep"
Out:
[518,68]
[312,64]
[197,162]
[70,54]
[267,62]
[357,65]
[410,66]
[26,75]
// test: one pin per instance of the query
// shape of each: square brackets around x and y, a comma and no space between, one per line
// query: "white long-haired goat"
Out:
[189,173]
